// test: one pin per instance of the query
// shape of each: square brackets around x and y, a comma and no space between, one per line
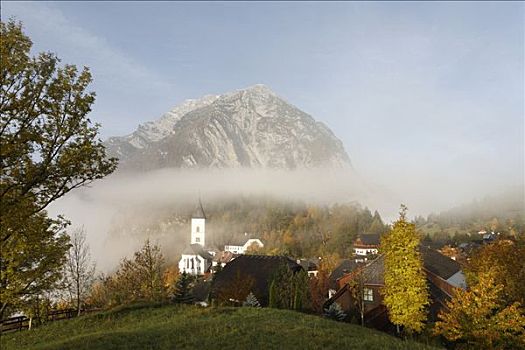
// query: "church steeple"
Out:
[198,226]
[198,213]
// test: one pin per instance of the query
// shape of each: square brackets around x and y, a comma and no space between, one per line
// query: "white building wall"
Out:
[241,249]
[198,234]
[365,251]
[192,264]
[235,249]
[458,280]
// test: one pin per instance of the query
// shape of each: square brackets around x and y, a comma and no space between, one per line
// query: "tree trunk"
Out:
[78,297]
[4,306]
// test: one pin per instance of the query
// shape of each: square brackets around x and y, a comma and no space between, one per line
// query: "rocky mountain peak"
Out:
[252,127]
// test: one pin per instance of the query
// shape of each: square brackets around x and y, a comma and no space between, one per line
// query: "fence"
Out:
[22,322]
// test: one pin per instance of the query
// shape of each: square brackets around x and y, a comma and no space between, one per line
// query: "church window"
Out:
[198,229]
[197,239]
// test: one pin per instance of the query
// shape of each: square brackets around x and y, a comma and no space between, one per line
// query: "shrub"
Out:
[251,301]
[335,312]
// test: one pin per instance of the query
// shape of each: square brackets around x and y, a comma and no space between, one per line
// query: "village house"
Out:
[240,246]
[366,246]
[443,276]
[310,266]
[259,269]
[345,267]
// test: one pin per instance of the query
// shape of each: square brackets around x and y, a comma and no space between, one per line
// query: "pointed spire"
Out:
[199,211]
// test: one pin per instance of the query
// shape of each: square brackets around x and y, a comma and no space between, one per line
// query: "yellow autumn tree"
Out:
[405,291]
[477,319]
[506,259]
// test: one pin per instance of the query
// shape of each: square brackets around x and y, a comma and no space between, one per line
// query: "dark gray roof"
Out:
[224,257]
[369,238]
[433,261]
[344,267]
[307,264]
[259,267]
[188,250]
[197,249]
[438,263]
[375,271]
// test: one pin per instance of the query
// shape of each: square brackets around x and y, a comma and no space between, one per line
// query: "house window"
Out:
[368,294]
[197,239]
[198,229]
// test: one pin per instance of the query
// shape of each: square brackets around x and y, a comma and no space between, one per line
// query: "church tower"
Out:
[198,222]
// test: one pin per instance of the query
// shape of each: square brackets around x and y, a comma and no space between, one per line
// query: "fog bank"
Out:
[121,195]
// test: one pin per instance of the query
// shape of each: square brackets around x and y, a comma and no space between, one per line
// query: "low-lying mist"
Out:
[121,200]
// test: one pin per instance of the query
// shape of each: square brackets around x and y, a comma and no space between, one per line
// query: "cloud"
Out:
[85,47]
[127,201]
[116,75]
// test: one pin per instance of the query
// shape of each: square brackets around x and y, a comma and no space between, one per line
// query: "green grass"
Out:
[191,327]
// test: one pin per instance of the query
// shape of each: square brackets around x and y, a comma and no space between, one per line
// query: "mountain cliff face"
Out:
[251,128]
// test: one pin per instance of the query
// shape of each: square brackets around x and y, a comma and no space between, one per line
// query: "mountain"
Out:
[251,128]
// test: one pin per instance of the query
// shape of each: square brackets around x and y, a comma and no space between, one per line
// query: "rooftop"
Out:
[369,239]
[439,264]
[259,267]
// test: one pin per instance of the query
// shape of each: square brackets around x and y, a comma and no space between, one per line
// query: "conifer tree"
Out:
[251,301]
[272,297]
[183,293]
[289,289]
[405,292]
[335,312]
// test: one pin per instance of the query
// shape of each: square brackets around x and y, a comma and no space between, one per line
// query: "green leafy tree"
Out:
[30,265]
[48,147]
[149,268]
[289,289]
[137,279]
[405,292]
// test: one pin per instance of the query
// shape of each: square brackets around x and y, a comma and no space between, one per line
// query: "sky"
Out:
[422,94]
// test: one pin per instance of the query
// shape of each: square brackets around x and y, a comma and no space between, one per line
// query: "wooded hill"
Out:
[286,227]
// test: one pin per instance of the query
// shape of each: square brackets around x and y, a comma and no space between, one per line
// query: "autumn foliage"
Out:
[477,318]
[405,291]
[490,314]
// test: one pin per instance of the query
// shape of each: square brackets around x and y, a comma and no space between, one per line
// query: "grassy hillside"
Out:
[189,327]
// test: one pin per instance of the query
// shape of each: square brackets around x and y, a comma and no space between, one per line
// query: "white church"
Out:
[197,259]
